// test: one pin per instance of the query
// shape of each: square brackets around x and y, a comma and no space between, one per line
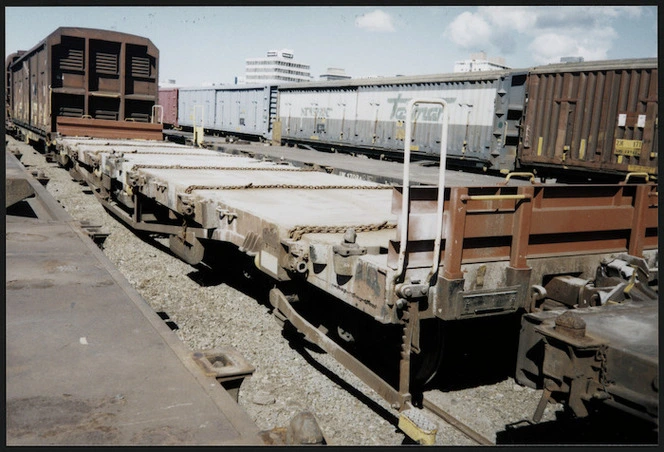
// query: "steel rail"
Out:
[456,423]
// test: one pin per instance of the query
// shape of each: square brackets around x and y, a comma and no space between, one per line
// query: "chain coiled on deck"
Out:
[298,231]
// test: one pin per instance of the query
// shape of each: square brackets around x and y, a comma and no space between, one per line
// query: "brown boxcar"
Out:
[85,74]
[168,99]
[596,117]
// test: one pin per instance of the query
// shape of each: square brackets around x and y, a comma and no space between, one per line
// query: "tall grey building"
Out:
[278,67]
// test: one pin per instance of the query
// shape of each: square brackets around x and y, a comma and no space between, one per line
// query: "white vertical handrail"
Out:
[160,109]
[406,186]
[199,131]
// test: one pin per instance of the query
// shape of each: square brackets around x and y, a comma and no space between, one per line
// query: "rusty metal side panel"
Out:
[593,117]
[548,221]
[38,69]
[21,89]
[168,99]
[99,128]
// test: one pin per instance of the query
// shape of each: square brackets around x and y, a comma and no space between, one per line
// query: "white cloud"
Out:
[469,31]
[516,18]
[551,31]
[549,47]
[375,21]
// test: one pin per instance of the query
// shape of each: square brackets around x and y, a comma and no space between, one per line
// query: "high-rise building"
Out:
[571,59]
[334,73]
[479,62]
[278,67]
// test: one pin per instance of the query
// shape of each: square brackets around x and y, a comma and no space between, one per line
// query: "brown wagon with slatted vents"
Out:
[595,117]
[85,82]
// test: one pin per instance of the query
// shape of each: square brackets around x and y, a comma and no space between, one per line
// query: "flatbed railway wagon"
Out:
[402,264]
[88,82]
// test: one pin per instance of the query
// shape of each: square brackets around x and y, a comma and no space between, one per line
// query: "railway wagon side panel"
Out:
[484,114]
[599,116]
[168,99]
[9,82]
[196,105]
[30,102]
[20,89]
[380,121]
[245,110]
[327,115]
[140,80]
[68,78]
[39,97]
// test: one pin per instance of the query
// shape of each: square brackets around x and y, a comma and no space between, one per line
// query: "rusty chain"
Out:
[137,152]
[250,185]
[298,231]
[140,166]
[601,357]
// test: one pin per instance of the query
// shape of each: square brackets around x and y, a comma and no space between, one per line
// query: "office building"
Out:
[278,67]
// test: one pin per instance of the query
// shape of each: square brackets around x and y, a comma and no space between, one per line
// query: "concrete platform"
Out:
[88,362]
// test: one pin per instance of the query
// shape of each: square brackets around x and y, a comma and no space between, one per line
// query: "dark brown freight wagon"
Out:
[85,82]
[593,117]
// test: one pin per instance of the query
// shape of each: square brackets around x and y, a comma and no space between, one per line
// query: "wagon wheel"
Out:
[425,365]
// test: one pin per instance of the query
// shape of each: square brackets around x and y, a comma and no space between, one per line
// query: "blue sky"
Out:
[209,44]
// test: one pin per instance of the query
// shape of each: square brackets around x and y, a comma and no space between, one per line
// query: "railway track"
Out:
[455,422]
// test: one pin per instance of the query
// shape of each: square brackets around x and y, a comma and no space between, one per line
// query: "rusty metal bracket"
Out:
[226,365]
[345,252]
[225,213]
[412,290]
[538,293]
[186,204]
[95,232]
[296,261]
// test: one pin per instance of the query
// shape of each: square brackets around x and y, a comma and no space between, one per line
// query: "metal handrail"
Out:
[646,175]
[492,197]
[199,131]
[509,175]
[406,186]
[161,114]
